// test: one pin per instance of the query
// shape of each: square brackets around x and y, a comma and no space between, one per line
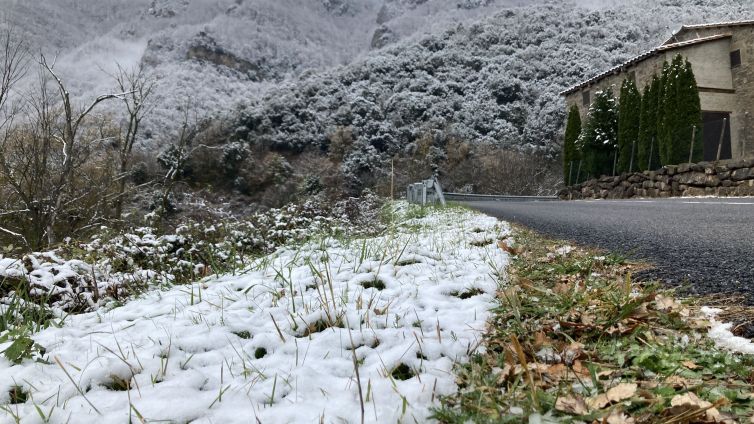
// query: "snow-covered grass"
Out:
[307,334]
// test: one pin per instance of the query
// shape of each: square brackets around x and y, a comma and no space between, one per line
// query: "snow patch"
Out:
[723,337]
[278,341]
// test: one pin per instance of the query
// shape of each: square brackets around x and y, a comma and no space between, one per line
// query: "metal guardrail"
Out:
[460,197]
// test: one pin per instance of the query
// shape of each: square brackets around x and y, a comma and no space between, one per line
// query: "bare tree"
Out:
[138,87]
[14,61]
[176,156]
[49,178]
[67,136]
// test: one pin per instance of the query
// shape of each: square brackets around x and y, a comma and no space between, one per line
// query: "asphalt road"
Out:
[704,245]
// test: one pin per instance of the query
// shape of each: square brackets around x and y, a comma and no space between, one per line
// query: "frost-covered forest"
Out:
[295,96]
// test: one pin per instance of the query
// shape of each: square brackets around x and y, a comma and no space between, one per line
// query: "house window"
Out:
[735,58]
[586,98]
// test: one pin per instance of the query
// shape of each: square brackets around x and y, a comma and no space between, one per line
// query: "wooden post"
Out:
[392,179]
[631,165]
[651,153]
[720,143]
[691,149]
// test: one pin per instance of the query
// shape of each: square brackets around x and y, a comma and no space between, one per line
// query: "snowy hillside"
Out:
[216,52]
[494,80]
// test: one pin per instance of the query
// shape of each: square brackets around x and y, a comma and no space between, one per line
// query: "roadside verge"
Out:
[575,339]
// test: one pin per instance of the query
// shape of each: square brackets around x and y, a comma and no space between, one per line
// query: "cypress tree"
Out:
[668,118]
[659,116]
[689,112]
[681,112]
[648,126]
[570,152]
[599,138]
[629,115]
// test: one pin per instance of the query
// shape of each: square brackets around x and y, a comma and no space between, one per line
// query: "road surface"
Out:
[704,245]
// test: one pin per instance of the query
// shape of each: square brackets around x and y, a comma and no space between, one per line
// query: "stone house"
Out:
[722,56]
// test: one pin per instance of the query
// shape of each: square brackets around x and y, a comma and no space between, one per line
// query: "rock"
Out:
[726,183]
[726,191]
[724,175]
[651,192]
[692,178]
[719,169]
[712,181]
[736,164]
[664,186]
[694,191]
[664,194]
[744,191]
[636,178]
[740,174]
[671,169]
[684,167]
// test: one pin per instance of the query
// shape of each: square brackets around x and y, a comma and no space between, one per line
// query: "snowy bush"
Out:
[79,277]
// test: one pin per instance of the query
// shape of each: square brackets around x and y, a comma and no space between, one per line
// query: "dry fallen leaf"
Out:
[691,402]
[617,417]
[503,245]
[598,402]
[615,394]
[677,382]
[621,392]
[572,405]
[663,303]
[572,353]
[690,365]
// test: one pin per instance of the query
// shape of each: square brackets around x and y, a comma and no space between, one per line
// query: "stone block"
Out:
[692,178]
[712,181]
[694,191]
[741,174]
[726,191]
[736,164]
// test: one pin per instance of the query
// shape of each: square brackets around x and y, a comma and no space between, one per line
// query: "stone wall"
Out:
[729,178]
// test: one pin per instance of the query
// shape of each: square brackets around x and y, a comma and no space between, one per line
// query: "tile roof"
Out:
[642,57]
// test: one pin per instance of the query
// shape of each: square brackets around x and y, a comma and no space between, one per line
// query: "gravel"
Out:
[702,245]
